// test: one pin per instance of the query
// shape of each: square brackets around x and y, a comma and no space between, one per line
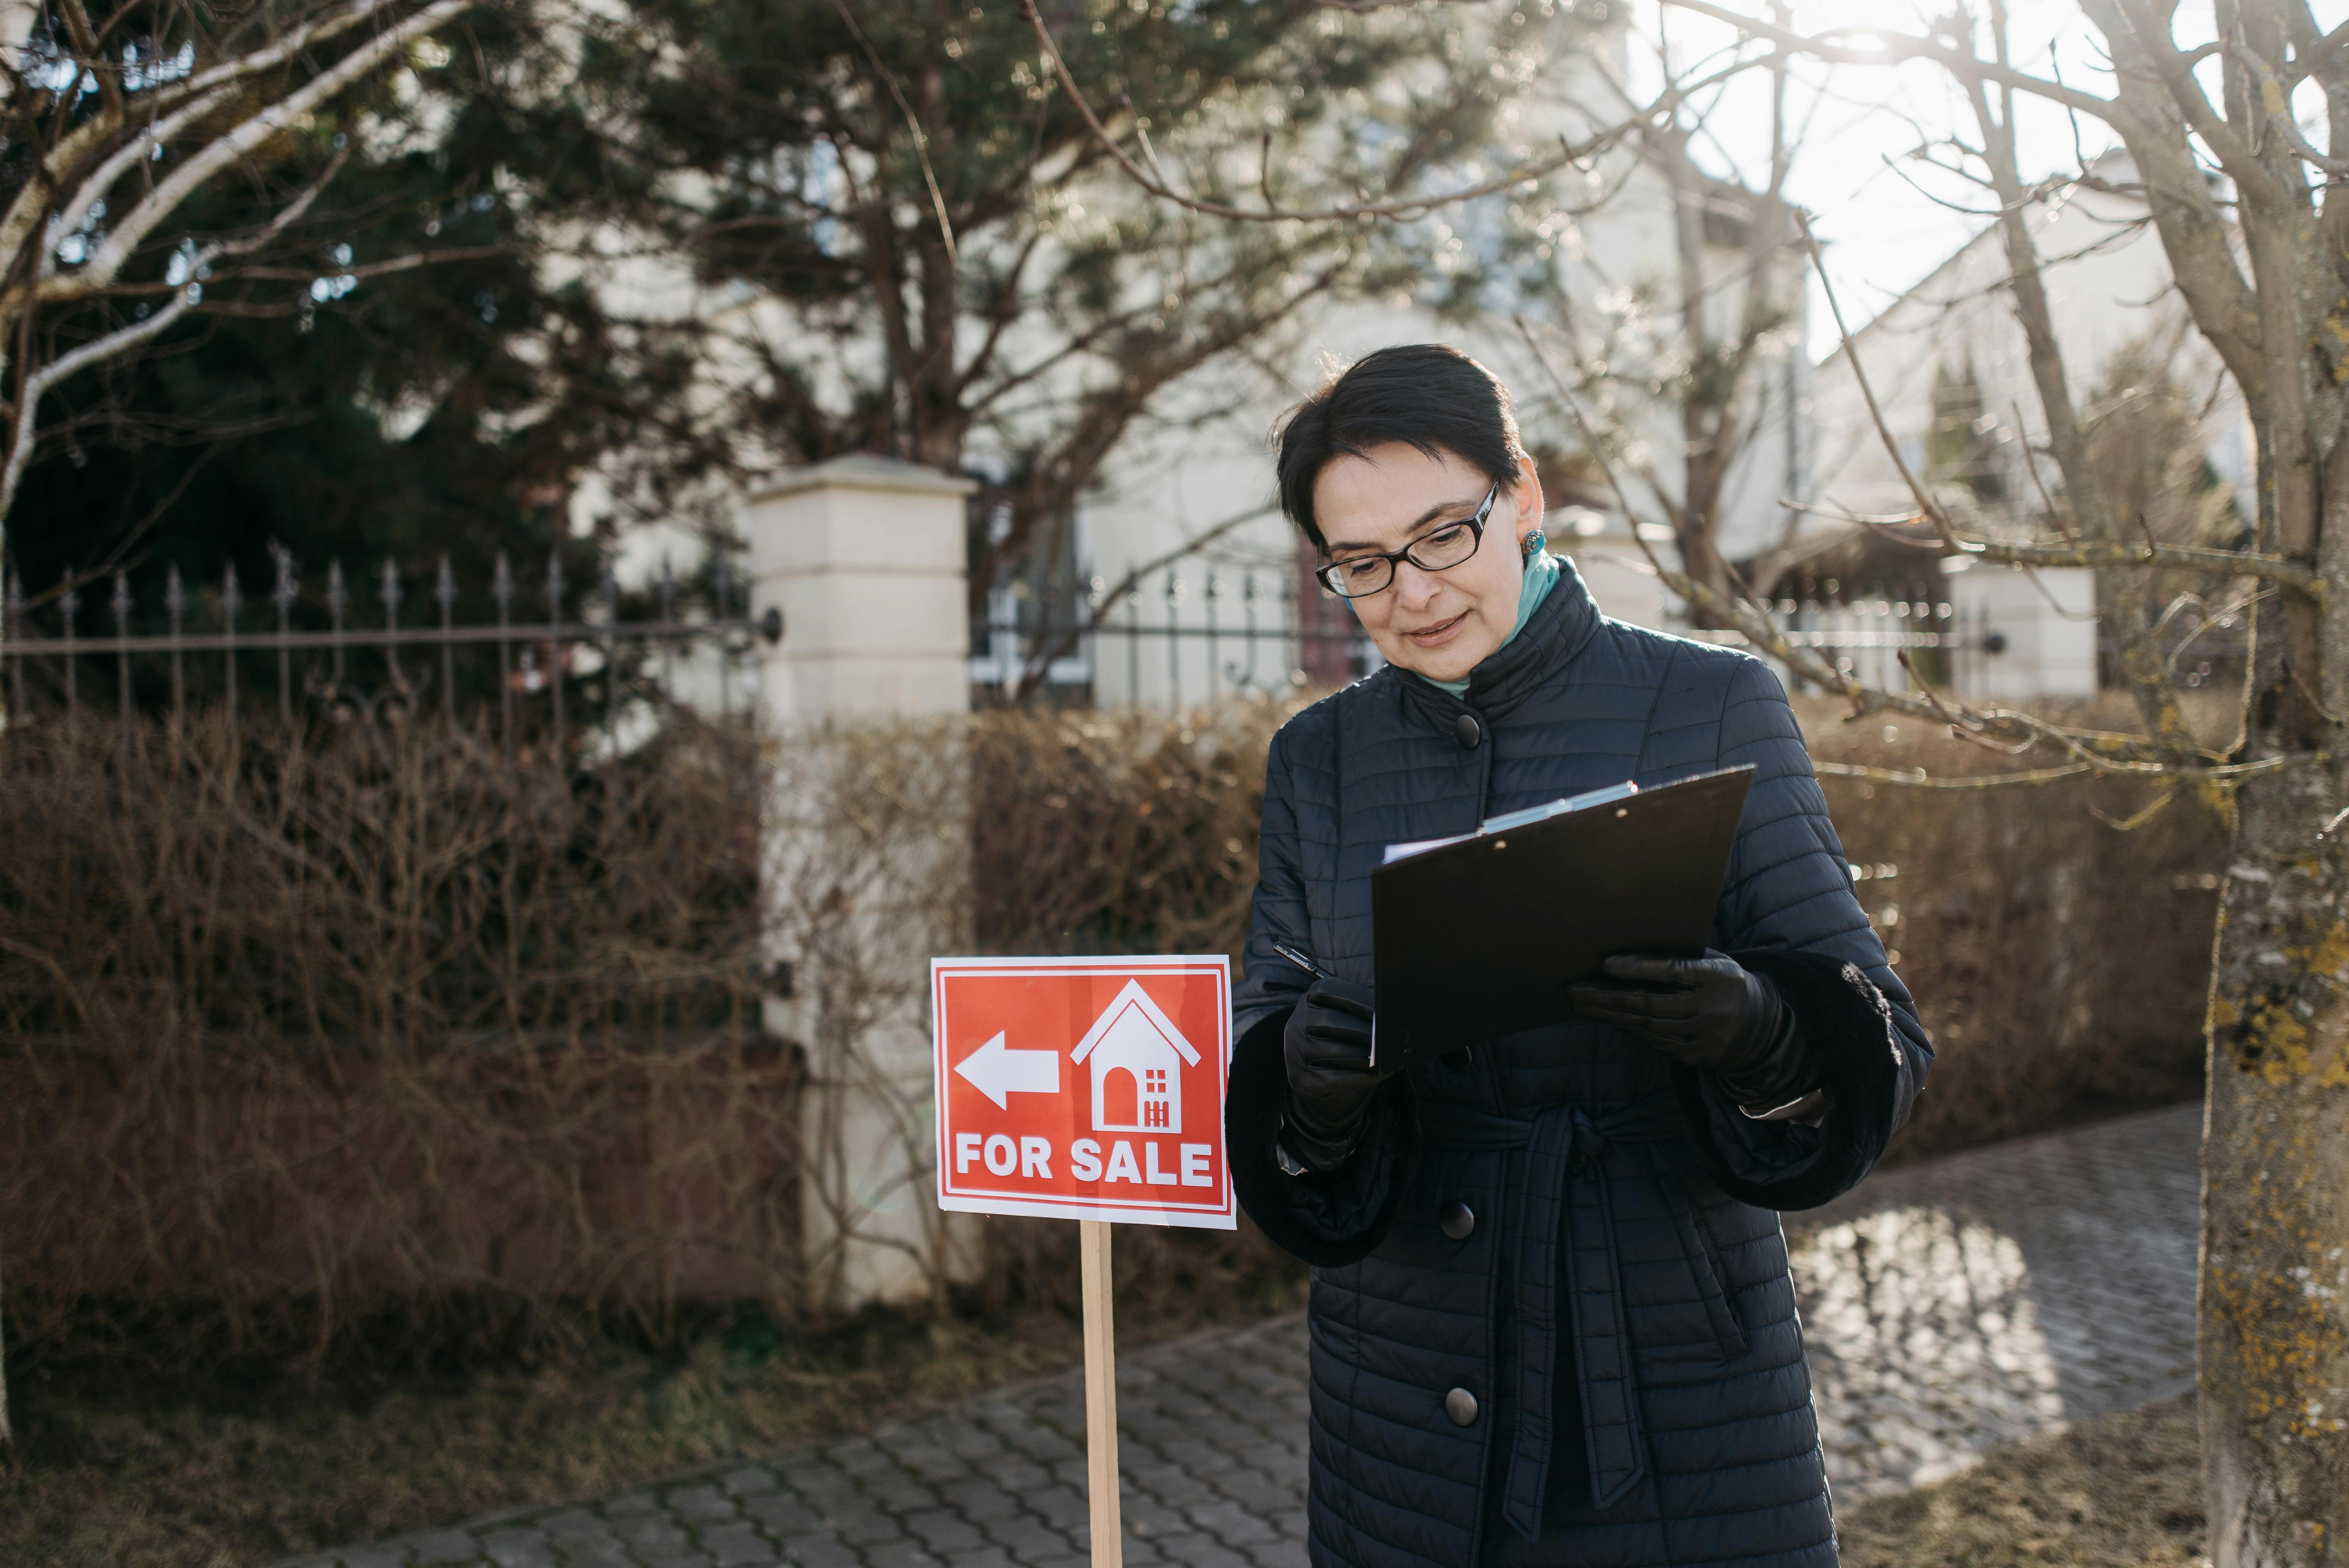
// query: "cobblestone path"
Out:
[1949,1306]
[1961,1302]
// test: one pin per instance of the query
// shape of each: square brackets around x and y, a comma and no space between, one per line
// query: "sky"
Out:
[1873,207]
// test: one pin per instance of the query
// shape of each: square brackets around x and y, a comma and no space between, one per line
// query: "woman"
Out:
[1551,1320]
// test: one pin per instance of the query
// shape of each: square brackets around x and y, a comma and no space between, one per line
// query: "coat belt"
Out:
[1567,1203]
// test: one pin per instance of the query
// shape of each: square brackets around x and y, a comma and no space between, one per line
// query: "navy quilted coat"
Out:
[1551,1318]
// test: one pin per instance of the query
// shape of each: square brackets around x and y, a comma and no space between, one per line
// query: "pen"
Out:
[1319,973]
[1300,960]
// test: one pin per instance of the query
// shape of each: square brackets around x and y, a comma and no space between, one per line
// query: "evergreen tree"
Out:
[341,401]
[937,256]
[695,241]
[1962,443]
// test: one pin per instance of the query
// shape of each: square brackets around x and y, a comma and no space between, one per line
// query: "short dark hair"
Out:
[1427,395]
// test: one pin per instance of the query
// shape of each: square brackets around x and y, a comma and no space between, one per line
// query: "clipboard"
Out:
[1479,936]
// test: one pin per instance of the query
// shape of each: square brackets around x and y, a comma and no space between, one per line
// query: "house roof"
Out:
[1133,998]
[2113,166]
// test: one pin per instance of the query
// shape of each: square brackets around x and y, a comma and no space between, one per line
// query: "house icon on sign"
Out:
[1137,1056]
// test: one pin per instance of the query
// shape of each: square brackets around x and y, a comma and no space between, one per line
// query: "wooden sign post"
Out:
[1090,1089]
[1101,1394]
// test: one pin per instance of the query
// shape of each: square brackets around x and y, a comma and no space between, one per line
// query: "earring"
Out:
[1533,543]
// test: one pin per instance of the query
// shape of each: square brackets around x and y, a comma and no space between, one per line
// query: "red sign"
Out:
[1084,1088]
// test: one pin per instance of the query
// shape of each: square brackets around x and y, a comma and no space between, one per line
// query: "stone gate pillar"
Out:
[865,558]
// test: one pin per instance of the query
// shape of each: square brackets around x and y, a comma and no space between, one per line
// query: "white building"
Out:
[1208,458]
[1203,460]
[2108,288]
[2028,633]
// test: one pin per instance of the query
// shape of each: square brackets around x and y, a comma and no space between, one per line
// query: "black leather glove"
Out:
[1326,1050]
[1709,1012]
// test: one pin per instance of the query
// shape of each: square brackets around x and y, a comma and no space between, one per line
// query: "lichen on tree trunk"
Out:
[2274,1305]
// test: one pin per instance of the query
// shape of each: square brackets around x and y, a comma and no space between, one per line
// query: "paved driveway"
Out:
[1949,1305]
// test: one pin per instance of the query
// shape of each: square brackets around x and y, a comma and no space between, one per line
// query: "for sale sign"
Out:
[1084,1088]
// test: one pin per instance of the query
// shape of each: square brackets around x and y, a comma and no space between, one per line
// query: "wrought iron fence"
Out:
[1191,633]
[1866,638]
[1962,647]
[1209,631]
[327,658]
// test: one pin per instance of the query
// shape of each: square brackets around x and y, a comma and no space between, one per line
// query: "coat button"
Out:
[1467,731]
[1461,1406]
[1458,1221]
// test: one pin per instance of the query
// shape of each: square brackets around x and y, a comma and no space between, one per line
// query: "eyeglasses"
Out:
[1360,576]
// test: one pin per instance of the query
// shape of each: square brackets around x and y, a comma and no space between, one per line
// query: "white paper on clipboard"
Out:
[1512,820]
[1420,847]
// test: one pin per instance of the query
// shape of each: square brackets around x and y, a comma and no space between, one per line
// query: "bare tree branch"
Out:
[913,123]
[92,188]
[365,270]
[2101,552]
[57,165]
[1896,49]
[1569,154]
[2100,752]
[1921,779]
[1926,508]
[132,229]
[290,46]
[2275,102]
[36,385]
[114,345]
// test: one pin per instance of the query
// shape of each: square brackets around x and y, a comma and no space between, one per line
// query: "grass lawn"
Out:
[2122,1492]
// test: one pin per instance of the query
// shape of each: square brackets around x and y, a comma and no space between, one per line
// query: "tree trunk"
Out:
[2274,1303]
[2261,259]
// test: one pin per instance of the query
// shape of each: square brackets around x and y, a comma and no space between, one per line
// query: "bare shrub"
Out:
[373,1028]
[1124,832]
[2054,983]
[2061,964]
[1121,831]
[373,1042]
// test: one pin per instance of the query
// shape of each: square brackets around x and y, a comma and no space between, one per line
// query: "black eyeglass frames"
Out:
[1440,550]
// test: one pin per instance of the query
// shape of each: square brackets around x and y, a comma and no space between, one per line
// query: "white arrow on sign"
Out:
[999,1074]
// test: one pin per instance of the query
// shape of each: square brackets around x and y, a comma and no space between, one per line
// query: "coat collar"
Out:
[1555,635]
